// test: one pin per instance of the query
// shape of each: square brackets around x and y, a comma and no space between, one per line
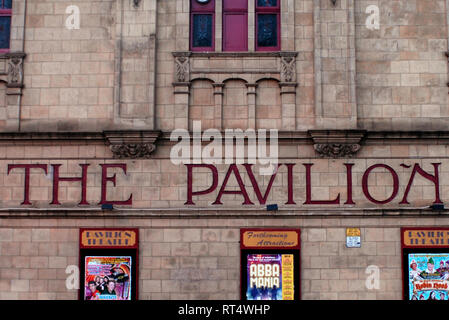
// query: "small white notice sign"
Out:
[353,238]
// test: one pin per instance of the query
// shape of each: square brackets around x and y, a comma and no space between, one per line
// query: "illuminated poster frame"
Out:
[279,246]
[424,249]
[115,249]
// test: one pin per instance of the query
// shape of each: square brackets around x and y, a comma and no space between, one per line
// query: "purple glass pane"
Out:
[202,30]
[267,3]
[267,35]
[5,31]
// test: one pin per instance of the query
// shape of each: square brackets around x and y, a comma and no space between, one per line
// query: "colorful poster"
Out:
[107,278]
[268,278]
[428,275]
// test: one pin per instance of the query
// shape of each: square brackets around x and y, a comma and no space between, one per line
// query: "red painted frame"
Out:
[228,10]
[268,10]
[207,9]
[295,250]
[134,248]
[409,248]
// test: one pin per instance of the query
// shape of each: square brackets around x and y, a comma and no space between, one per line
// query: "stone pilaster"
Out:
[335,89]
[251,96]
[218,113]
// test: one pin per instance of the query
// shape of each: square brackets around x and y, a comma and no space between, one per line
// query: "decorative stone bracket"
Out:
[337,143]
[11,69]
[132,144]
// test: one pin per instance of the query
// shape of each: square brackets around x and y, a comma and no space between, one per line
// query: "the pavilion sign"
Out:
[108,180]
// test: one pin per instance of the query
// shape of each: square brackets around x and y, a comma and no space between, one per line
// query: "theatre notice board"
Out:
[425,263]
[108,264]
[270,264]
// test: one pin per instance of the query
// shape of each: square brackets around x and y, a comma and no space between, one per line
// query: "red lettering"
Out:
[27,167]
[190,192]
[233,169]
[349,182]
[434,179]
[105,179]
[262,200]
[365,183]
[309,189]
[82,179]
[290,182]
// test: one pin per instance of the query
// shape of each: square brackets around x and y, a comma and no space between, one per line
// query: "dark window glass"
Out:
[202,30]
[267,30]
[7,4]
[267,3]
[5,28]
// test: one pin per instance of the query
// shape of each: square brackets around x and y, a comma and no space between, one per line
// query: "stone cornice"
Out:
[255,54]
[187,212]
[299,137]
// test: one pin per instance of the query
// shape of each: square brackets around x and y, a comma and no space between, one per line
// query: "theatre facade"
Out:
[133,136]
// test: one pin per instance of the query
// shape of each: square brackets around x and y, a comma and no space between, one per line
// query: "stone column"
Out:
[251,96]
[335,88]
[218,108]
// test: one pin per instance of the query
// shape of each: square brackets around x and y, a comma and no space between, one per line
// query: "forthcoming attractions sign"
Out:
[425,263]
[108,264]
[270,264]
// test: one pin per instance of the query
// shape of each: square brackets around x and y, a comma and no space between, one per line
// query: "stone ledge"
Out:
[92,212]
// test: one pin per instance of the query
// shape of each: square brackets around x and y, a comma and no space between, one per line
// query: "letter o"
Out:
[395,183]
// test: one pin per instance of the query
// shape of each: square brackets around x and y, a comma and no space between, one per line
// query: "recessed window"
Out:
[5,24]
[235,25]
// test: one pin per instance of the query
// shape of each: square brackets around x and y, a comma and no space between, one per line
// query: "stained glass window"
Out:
[267,25]
[5,24]
[5,31]
[202,30]
[267,3]
[267,30]
[6,4]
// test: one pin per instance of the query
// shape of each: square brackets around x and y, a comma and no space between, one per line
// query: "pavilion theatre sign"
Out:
[110,172]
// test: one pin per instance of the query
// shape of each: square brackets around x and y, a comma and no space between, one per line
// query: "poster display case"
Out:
[270,264]
[425,263]
[108,264]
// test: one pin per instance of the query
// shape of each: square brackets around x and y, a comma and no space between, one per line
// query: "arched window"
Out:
[5,24]
[235,25]
[202,25]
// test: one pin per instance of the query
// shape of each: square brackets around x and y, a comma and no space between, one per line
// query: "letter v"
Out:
[262,200]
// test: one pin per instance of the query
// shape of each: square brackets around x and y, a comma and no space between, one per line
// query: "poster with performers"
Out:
[269,277]
[428,275]
[107,277]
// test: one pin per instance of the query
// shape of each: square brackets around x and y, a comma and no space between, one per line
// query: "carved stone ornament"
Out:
[288,67]
[337,143]
[182,64]
[15,69]
[132,144]
[337,150]
[132,151]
